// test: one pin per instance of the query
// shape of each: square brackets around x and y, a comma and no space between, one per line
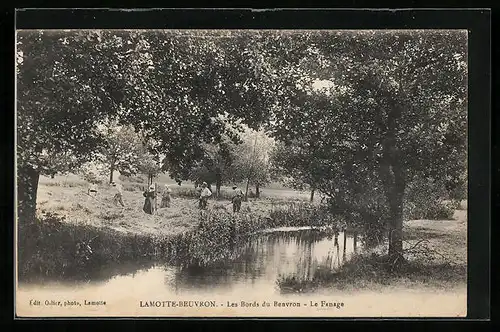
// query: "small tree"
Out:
[121,152]
[149,166]
[301,164]
[252,160]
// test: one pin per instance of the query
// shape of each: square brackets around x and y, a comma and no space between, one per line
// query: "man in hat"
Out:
[204,195]
[236,198]
[118,198]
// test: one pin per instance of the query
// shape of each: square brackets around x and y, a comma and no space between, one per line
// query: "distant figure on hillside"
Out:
[166,198]
[237,196]
[149,201]
[118,198]
[92,189]
[204,195]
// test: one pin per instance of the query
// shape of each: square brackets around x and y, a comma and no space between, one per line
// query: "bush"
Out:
[91,177]
[423,200]
[439,211]
[50,247]
[301,214]
[293,284]
[131,186]
[188,192]
[133,178]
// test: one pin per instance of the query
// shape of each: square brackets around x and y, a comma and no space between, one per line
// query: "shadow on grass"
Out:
[417,233]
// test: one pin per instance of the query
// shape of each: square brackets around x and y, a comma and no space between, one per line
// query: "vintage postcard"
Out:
[241,173]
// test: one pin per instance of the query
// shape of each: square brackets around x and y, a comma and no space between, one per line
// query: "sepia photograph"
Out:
[241,173]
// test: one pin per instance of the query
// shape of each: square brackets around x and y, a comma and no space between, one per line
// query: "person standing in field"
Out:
[204,195]
[92,191]
[166,198]
[236,198]
[118,198]
[149,200]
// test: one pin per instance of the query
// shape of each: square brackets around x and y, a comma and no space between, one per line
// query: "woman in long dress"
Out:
[149,201]
[166,198]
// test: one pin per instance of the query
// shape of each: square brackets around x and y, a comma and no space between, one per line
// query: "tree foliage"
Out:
[122,151]
[395,110]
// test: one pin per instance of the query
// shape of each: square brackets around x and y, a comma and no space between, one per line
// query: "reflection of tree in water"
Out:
[190,277]
[293,253]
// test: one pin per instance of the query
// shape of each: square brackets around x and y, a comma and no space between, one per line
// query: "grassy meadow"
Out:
[67,196]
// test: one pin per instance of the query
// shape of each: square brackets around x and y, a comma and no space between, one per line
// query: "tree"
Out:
[61,163]
[300,163]
[149,165]
[213,166]
[252,160]
[395,109]
[122,151]
[202,84]
[180,89]
[66,85]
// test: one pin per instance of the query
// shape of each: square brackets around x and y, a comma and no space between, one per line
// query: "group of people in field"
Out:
[205,193]
[151,194]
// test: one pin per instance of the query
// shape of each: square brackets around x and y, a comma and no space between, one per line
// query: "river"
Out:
[242,287]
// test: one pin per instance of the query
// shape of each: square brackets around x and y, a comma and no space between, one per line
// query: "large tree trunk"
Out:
[27,187]
[394,189]
[396,223]
[257,191]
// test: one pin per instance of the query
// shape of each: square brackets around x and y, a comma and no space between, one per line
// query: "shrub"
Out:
[189,192]
[133,179]
[423,200]
[50,247]
[439,211]
[91,177]
[131,186]
[293,284]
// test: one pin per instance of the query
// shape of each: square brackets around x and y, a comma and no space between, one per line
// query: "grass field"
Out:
[67,196]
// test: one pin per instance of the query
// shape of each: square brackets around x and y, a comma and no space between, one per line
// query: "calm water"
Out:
[268,256]
[252,278]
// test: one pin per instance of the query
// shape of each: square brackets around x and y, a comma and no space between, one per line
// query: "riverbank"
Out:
[76,234]
[436,260]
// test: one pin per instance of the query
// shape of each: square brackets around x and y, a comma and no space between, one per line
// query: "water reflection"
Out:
[259,264]
[267,257]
